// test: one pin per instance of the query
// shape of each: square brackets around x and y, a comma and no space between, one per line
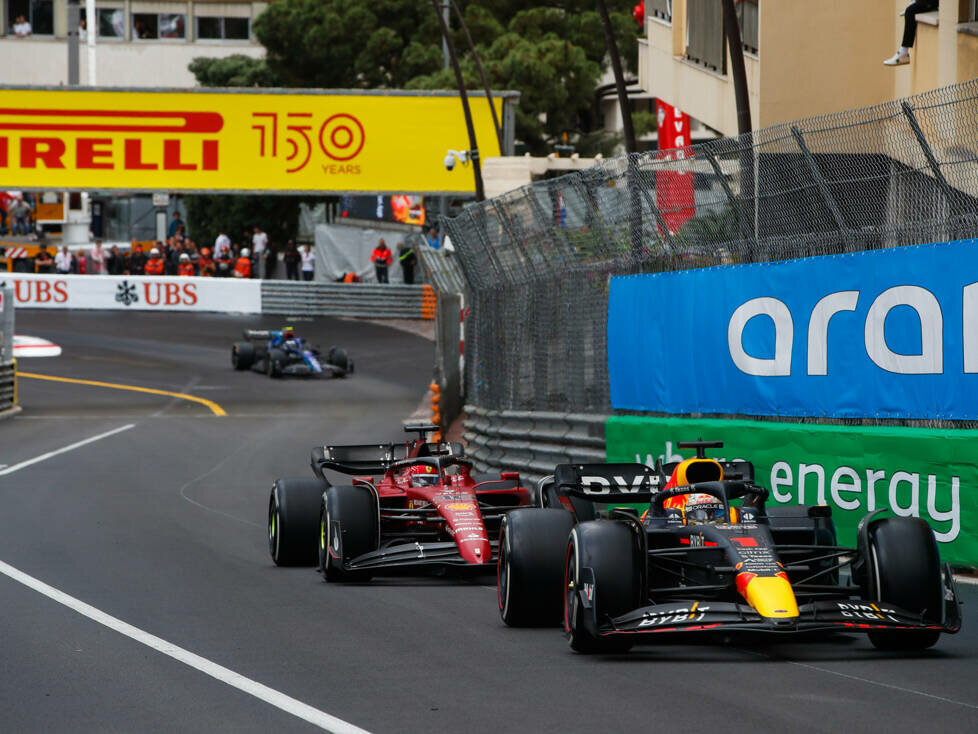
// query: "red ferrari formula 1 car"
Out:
[407,507]
[710,555]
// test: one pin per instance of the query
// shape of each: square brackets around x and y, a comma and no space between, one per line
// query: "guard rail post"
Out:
[448,371]
[8,366]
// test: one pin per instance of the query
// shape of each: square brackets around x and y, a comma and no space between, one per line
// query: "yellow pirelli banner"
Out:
[238,140]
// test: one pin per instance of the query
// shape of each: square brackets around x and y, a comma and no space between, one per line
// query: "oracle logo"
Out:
[929,360]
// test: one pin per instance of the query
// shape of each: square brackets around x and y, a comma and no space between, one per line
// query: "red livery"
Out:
[408,506]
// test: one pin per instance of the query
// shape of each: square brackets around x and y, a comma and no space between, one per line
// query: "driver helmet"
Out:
[701,508]
[423,475]
[288,333]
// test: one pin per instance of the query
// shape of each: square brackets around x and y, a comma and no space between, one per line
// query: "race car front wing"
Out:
[414,555]
[849,615]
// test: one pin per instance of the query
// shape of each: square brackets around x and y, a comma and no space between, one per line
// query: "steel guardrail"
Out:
[364,300]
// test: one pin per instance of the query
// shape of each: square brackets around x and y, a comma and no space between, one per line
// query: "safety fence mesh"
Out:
[537,259]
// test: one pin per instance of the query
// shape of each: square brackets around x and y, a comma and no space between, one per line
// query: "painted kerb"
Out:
[928,473]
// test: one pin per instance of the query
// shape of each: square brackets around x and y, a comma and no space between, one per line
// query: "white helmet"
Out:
[154,251]
[184,257]
[245,252]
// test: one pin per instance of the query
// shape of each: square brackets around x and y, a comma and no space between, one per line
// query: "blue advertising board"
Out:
[889,333]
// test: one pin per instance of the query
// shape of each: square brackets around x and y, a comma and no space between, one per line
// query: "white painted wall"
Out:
[44,61]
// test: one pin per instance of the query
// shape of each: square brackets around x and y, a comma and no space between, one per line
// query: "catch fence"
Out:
[537,260]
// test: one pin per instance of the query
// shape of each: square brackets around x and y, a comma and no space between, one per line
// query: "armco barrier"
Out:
[532,443]
[365,300]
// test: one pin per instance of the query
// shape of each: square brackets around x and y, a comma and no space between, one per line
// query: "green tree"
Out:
[208,214]
[236,70]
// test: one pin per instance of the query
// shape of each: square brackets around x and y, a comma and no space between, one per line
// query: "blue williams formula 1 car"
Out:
[280,352]
[709,555]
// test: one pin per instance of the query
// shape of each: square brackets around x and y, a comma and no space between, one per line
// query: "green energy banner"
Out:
[928,473]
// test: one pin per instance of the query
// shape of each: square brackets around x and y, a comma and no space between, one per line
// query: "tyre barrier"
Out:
[364,300]
[532,443]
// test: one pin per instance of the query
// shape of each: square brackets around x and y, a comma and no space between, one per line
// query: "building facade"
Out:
[802,58]
[140,43]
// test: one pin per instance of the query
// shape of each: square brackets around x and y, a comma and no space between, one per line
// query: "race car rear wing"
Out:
[357,458]
[607,483]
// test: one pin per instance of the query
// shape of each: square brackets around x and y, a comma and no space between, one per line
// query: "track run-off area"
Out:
[137,593]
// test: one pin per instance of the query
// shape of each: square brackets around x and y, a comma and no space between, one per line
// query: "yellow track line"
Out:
[215,408]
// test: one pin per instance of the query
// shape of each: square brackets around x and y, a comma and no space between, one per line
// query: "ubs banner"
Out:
[237,140]
[885,333]
[928,473]
[135,293]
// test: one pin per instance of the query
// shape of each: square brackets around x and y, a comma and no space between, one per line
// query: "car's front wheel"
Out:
[348,528]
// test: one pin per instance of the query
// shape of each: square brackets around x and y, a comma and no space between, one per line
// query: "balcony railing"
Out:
[704,31]
[661,9]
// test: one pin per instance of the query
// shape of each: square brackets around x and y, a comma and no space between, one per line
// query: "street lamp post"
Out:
[460,80]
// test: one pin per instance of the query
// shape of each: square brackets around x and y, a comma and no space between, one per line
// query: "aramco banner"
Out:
[928,473]
[887,333]
[238,140]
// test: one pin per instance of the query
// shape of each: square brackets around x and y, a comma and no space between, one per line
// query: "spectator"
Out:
[292,259]
[96,259]
[114,262]
[137,260]
[381,257]
[432,239]
[62,261]
[176,226]
[185,268]
[224,261]
[902,56]
[271,260]
[407,258]
[259,241]
[43,262]
[22,29]
[222,240]
[20,213]
[5,202]
[308,262]
[242,266]
[155,264]
[80,266]
[205,264]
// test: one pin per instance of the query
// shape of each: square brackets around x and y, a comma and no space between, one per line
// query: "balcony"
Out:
[704,32]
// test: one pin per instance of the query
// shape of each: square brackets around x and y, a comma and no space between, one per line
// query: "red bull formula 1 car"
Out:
[710,555]
[408,507]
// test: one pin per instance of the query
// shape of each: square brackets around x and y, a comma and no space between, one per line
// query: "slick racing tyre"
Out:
[338,357]
[905,570]
[530,565]
[606,548]
[348,528]
[242,355]
[275,363]
[293,521]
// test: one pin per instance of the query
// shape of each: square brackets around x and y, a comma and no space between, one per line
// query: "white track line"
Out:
[71,447]
[219,672]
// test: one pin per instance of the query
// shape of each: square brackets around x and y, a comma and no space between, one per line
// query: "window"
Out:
[158,25]
[111,22]
[238,29]
[33,17]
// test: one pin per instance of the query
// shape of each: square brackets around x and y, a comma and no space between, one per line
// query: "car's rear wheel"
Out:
[293,521]
[606,547]
[529,566]
[242,355]
[905,570]
[348,528]
[275,363]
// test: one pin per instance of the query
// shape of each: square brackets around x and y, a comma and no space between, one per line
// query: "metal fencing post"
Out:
[819,180]
[929,155]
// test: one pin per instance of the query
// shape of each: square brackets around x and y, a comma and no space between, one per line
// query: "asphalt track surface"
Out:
[162,526]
